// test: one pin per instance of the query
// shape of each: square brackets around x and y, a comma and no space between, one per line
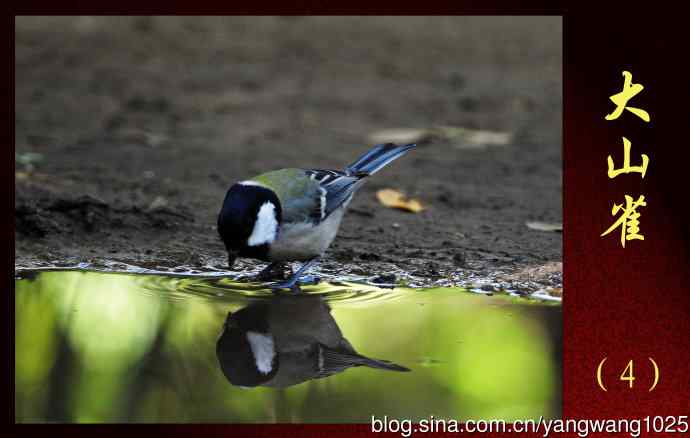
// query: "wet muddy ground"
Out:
[130,130]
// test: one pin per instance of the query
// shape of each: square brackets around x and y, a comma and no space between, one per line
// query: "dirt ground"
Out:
[130,130]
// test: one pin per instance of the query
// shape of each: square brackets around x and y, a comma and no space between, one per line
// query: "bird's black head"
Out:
[245,349]
[249,220]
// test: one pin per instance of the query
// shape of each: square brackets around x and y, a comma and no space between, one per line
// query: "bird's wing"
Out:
[310,194]
[335,187]
[300,197]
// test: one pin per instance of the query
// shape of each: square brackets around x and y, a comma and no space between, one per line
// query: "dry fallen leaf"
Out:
[459,137]
[394,199]
[401,135]
[157,203]
[555,291]
[545,226]
[473,138]
[539,273]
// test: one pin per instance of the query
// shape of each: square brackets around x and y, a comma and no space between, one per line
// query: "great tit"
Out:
[286,341]
[294,214]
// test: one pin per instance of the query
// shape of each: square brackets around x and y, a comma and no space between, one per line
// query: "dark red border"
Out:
[619,303]
[632,303]
[302,7]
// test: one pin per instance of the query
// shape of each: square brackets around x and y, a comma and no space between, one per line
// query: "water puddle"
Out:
[142,346]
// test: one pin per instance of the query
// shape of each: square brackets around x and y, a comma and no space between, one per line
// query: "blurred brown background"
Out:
[129,130]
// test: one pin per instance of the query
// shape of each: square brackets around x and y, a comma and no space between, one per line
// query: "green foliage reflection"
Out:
[94,347]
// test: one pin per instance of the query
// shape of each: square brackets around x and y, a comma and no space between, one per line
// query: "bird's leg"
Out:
[232,256]
[291,283]
[274,271]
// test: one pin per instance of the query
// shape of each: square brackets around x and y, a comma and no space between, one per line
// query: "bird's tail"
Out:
[374,160]
[340,359]
[380,364]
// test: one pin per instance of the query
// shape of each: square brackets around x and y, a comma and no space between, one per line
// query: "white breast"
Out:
[302,241]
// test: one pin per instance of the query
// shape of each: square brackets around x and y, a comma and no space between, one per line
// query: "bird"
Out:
[286,340]
[293,214]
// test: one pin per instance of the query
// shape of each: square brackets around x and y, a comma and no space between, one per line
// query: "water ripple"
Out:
[232,291]
[231,287]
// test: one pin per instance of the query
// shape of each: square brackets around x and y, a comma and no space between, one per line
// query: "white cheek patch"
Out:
[263,351]
[265,227]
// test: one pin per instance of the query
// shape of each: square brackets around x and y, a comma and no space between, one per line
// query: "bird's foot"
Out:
[309,280]
[296,286]
[293,283]
[274,271]
[284,286]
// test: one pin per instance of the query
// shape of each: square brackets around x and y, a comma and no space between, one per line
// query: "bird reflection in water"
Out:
[285,341]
